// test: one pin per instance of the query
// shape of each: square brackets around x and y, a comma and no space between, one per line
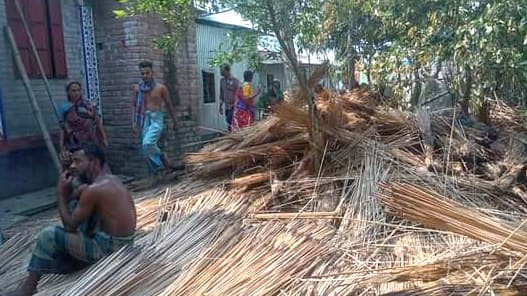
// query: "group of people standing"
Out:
[238,99]
[82,124]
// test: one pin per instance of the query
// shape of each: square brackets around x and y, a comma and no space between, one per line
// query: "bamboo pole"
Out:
[32,99]
[37,58]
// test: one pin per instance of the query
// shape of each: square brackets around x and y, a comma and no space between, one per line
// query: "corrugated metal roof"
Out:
[229,17]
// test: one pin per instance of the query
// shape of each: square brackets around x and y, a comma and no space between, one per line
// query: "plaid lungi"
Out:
[59,251]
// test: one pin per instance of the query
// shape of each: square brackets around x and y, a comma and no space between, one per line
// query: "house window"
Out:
[209,87]
[44,18]
[270,79]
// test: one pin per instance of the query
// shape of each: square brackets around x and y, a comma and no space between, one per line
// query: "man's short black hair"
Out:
[91,150]
[146,64]
[225,67]
[248,76]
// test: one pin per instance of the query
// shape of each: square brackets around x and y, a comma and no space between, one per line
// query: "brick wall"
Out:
[122,44]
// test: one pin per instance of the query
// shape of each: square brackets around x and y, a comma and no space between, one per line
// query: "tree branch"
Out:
[289,52]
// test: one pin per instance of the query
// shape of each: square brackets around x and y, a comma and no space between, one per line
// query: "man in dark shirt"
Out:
[229,87]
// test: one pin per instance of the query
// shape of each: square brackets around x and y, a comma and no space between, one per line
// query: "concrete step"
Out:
[9,220]
[29,204]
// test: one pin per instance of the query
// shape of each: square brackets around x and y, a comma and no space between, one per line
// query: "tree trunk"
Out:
[351,72]
[368,69]
[484,112]
[437,70]
[416,88]
[286,40]
[467,88]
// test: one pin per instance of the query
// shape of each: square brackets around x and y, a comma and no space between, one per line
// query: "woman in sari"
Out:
[244,109]
[82,124]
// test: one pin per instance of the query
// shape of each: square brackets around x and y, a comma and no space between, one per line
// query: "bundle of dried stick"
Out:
[431,209]
[255,218]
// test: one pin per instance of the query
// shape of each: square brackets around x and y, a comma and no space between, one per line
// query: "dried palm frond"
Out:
[154,261]
[255,219]
[264,261]
[430,208]
[13,254]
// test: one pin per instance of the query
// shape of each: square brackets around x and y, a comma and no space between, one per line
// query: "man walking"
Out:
[147,109]
[228,90]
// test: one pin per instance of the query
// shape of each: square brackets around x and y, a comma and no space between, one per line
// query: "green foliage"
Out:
[241,45]
[399,43]
[288,18]
[176,14]
[264,101]
[295,24]
[354,32]
[484,41]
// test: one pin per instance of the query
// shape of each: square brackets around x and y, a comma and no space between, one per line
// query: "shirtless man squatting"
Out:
[101,222]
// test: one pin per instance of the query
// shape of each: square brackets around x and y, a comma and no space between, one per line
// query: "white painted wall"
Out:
[208,41]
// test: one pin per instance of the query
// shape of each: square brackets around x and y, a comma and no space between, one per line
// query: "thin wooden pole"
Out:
[37,58]
[32,99]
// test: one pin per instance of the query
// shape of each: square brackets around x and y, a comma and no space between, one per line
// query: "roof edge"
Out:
[221,25]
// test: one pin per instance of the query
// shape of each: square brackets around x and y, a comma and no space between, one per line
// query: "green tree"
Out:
[404,42]
[294,23]
[354,32]
[176,14]
[483,40]
[241,44]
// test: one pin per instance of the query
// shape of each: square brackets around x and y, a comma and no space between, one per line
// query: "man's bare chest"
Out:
[154,98]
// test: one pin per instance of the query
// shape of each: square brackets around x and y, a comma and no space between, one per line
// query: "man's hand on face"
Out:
[64,187]
[65,158]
